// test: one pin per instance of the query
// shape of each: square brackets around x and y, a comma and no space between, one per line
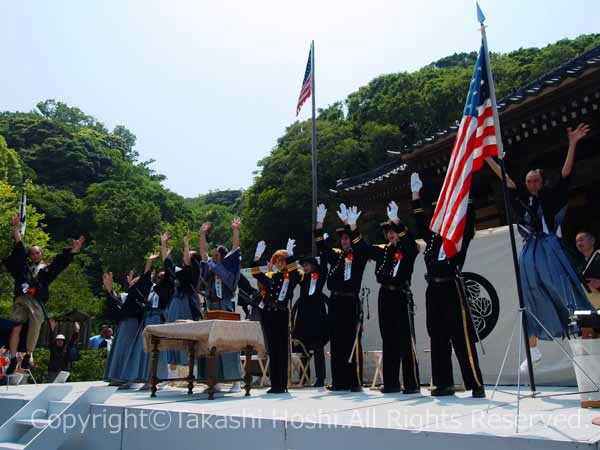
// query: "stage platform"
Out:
[315,419]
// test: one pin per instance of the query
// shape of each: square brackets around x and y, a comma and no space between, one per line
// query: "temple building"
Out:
[534,121]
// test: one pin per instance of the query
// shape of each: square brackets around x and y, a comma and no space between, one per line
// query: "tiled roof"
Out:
[570,69]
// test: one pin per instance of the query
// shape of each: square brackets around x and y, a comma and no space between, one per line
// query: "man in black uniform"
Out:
[394,263]
[449,322]
[346,268]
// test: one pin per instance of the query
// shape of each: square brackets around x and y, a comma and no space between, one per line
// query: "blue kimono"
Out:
[184,304]
[153,315]
[222,279]
[124,357]
[551,286]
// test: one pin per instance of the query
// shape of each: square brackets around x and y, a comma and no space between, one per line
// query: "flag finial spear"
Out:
[480,15]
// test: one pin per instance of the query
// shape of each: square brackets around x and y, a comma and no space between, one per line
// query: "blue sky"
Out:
[208,87]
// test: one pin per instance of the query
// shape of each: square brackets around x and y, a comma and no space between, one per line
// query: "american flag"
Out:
[306,90]
[475,141]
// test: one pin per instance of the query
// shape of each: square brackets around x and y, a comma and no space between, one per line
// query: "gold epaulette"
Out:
[291,267]
[357,239]
[336,250]
[418,210]
[402,234]
[255,270]
[381,245]
[319,238]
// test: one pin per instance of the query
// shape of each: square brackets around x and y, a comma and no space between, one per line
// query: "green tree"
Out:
[10,168]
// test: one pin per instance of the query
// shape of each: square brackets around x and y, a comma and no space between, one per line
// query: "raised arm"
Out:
[492,164]
[235,239]
[353,214]
[321,213]
[187,258]
[319,235]
[203,244]
[15,262]
[62,261]
[256,272]
[16,228]
[574,137]
[419,212]
[149,261]
[164,250]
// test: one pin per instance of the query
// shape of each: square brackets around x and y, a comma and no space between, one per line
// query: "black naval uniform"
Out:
[275,318]
[448,318]
[345,309]
[309,316]
[395,321]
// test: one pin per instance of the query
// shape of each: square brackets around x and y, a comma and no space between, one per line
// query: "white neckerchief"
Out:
[35,268]
[284,289]
[348,267]
[313,284]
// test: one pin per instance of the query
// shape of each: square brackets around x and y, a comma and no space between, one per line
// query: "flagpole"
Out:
[314,147]
[507,210]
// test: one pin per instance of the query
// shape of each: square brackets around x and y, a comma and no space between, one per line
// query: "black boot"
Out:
[478,392]
[12,366]
[319,383]
[442,391]
[337,387]
[25,362]
[276,391]
[389,390]
[411,391]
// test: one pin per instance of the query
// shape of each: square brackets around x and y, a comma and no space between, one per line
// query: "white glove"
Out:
[260,249]
[291,243]
[415,182]
[353,215]
[392,211]
[321,213]
[343,213]
[325,236]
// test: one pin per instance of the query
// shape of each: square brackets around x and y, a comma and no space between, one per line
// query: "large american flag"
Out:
[475,141]
[306,90]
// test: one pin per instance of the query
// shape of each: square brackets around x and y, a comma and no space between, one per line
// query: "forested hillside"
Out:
[86,179]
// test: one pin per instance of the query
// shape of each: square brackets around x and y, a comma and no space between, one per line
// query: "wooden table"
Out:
[208,338]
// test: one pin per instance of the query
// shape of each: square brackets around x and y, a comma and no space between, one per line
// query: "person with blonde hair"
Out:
[278,292]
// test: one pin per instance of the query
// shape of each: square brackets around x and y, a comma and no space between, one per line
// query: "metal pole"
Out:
[507,210]
[314,146]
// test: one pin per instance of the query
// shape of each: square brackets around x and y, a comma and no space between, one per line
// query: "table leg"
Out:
[247,376]
[191,359]
[212,373]
[154,370]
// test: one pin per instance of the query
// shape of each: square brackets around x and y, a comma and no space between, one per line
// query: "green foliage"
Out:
[70,116]
[10,168]
[85,179]
[127,226]
[71,292]
[89,368]
[389,113]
